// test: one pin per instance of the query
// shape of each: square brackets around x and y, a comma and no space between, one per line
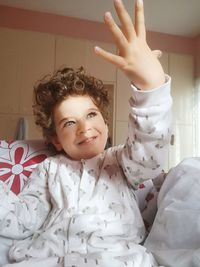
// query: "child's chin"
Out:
[91,154]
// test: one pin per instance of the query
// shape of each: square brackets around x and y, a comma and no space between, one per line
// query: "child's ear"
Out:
[56,143]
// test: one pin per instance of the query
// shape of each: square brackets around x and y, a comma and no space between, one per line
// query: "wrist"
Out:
[150,84]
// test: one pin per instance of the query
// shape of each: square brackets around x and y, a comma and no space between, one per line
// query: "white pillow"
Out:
[175,235]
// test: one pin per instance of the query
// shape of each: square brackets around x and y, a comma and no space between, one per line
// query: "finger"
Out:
[125,19]
[139,19]
[114,59]
[157,53]
[117,34]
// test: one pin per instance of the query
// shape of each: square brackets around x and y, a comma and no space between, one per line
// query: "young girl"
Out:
[79,208]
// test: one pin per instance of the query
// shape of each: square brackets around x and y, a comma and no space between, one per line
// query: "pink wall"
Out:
[43,22]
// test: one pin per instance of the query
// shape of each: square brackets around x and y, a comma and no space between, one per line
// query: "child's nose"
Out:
[83,127]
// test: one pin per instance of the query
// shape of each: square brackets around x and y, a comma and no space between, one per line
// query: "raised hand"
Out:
[135,58]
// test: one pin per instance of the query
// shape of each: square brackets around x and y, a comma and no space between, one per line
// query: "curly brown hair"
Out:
[52,90]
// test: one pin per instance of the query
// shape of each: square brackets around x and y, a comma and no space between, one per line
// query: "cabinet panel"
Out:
[181,68]
[9,122]
[70,52]
[33,132]
[183,144]
[122,96]
[164,60]
[98,67]
[121,132]
[10,41]
[37,61]
[10,70]
[10,127]
[10,80]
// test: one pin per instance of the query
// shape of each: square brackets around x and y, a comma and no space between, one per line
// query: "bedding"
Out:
[174,238]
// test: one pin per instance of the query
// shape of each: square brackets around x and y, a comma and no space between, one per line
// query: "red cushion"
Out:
[18,159]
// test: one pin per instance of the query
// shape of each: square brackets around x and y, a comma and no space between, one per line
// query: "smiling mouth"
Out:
[87,140]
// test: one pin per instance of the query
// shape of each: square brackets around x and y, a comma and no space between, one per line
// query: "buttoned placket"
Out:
[78,226]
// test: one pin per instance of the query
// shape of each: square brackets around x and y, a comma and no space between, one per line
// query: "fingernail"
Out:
[108,15]
[118,2]
[140,2]
[97,49]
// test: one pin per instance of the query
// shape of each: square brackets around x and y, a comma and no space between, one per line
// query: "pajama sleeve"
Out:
[145,151]
[21,215]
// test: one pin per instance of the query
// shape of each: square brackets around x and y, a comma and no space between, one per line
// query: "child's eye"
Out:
[68,123]
[92,114]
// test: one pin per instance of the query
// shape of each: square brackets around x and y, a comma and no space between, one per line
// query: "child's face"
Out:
[80,128]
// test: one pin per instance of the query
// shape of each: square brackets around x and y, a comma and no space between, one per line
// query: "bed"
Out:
[174,230]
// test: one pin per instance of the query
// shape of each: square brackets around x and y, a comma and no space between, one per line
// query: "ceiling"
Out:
[179,17]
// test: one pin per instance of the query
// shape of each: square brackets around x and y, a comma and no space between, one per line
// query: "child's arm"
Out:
[144,154]
[135,58]
[145,151]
